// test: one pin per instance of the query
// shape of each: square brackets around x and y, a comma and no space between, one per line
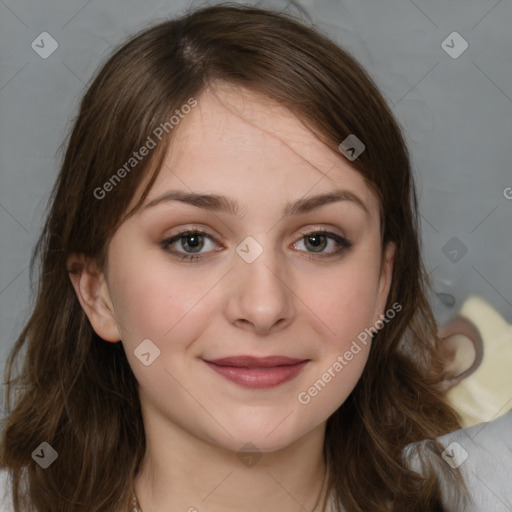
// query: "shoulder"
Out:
[5,492]
[483,455]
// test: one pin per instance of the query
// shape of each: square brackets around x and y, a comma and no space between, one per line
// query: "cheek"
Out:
[158,303]
[346,303]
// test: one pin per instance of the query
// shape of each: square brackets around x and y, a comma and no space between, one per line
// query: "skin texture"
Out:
[289,301]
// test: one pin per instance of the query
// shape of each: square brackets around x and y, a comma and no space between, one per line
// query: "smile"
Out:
[258,373]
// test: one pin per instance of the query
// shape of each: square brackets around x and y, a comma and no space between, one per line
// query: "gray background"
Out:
[456,112]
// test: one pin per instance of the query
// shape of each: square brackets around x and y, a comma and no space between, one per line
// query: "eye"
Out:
[317,241]
[188,244]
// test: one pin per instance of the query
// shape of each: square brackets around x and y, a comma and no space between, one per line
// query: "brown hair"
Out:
[76,392]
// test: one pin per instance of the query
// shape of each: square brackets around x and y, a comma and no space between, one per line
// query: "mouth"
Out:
[257,372]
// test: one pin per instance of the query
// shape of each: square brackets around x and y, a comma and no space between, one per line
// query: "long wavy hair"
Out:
[77,392]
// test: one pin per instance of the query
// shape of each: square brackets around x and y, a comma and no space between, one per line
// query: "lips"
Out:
[255,362]
[257,372]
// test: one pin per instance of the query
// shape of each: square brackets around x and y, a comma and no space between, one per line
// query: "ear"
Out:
[93,294]
[386,274]
[461,350]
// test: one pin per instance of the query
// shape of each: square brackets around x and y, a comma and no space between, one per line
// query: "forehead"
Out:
[232,120]
[236,140]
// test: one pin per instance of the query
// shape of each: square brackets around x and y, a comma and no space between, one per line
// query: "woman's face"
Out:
[258,279]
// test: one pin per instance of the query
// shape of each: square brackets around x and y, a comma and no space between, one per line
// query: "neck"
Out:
[183,472]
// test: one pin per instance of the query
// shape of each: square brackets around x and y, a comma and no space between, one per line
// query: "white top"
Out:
[483,454]
[487,470]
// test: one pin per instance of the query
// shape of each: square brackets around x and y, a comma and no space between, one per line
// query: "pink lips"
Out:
[258,372]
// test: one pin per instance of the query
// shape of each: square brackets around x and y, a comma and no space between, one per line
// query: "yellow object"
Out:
[487,393]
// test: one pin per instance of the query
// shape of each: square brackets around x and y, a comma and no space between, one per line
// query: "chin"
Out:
[265,436]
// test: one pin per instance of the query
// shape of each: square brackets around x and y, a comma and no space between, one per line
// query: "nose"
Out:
[261,297]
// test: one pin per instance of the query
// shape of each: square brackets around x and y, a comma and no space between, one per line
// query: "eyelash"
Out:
[341,241]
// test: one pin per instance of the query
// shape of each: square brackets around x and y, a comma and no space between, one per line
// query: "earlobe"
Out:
[94,297]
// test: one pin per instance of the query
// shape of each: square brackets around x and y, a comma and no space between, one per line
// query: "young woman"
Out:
[231,312]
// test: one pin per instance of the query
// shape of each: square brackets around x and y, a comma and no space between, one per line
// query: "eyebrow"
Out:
[218,203]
